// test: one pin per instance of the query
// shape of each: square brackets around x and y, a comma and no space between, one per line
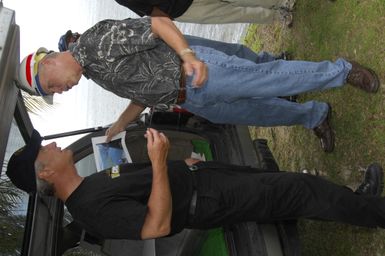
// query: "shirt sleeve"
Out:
[121,219]
[109,40]
[140,7]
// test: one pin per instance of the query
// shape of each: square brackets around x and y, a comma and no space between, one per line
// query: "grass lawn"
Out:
[323,30]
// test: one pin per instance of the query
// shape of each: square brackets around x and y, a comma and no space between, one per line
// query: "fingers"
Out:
[198,69]
[157,146]
[150,138]
[191,161]
[112,131]
[155,137]
[164,139]
[109,135]
[201,74]
[188,68]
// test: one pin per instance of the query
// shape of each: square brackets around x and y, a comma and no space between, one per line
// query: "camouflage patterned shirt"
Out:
[125,58]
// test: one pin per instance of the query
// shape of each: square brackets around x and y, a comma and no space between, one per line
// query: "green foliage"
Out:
[11,224]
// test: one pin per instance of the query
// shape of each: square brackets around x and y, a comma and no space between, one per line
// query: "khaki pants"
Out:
[232,11]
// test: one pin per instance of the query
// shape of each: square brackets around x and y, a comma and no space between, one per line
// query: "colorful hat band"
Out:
[28,70]
[33,72]
[38,86]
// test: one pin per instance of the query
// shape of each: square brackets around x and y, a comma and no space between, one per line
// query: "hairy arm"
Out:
[163,27]
[131,113]
[158,219]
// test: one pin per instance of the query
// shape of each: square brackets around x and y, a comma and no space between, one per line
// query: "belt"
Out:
[182,87]
[193,203]
[194,197]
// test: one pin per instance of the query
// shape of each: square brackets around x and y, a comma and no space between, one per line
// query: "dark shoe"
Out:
[373,183]
[284,56]
[325,133]
[363,78]
[292,98]
[286,17]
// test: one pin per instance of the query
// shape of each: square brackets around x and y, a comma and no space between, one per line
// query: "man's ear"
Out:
[48,61]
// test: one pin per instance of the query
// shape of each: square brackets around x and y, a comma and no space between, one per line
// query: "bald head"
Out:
[59,72]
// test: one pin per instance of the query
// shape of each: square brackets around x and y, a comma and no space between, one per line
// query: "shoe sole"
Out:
[376,81]
[379,173]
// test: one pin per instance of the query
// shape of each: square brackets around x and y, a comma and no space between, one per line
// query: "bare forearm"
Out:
[164,27]
[159,213]
[159,204]
[131,113]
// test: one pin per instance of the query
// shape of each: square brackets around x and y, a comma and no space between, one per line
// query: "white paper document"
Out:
[109,154]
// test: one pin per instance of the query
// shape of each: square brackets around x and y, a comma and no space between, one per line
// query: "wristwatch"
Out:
[186,51]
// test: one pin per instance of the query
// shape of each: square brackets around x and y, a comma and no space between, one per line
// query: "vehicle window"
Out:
[85,167]
[75,233]
[13,202]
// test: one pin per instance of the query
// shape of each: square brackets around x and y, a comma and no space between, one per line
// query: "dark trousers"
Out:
[228,195]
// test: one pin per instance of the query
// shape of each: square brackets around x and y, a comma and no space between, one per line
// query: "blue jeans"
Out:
[239,91]
[238,50]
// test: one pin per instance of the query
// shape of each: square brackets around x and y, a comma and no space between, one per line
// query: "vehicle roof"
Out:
[9,59]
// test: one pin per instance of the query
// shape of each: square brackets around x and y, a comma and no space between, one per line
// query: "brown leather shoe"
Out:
[325,133]
[363,78]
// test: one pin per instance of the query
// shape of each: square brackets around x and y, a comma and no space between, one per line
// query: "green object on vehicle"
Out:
[215,244]
[202,147]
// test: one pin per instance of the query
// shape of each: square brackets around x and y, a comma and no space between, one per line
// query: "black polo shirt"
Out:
[174,8]
[113,203]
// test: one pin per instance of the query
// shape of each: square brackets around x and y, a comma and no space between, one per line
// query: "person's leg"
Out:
[219,12]
[238,50]
[271,4]
[259,112]
[269,197]
[306,196]
[231,78]
[239,91]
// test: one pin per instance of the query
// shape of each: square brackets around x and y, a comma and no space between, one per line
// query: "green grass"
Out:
[323,30]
